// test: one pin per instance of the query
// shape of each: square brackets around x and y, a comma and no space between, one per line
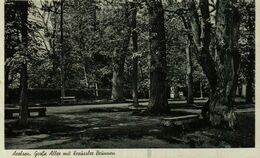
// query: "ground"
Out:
[117,126]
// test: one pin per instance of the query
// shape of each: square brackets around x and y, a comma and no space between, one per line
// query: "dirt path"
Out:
[79,127]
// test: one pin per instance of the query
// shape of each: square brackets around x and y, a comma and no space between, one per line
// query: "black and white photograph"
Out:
[129,74]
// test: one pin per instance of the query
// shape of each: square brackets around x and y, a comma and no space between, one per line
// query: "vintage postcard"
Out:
[129,78]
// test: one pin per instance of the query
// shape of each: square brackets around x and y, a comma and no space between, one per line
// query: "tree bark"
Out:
[23,5]
[118,60]
[135,50]
[62,70]
[250,78]
[158,102]
[24,95]
[202,36]
[117,80]
[227,63]
[222,71]
[188,49]
[54,56]
[251,58]
[189,79]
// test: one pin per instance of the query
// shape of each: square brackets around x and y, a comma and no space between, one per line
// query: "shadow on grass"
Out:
[98,125]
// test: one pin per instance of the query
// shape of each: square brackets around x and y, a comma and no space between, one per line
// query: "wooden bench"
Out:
[68,99]
[40,110]
[179,121]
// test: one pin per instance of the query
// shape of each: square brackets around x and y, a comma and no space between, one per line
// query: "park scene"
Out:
[83,74]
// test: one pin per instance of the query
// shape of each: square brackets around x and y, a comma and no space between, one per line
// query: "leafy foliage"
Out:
[94,32]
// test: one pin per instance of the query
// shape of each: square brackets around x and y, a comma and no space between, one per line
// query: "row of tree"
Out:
[153,43]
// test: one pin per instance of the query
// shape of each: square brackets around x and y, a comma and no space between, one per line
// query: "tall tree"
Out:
[22,7]
[189,47]
[218,56]
[248,46]
[44,28]
[62,70]
[119,55]
[133,12]
[158,102]
[189,79]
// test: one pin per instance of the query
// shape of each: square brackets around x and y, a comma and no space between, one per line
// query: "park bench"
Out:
[40,110]
[179,121]
[68,99]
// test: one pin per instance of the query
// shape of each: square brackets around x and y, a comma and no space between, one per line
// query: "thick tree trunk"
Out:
[202,36]
[62,70]
[24,95]
[158,102]
[251,59]
[54,56]
[189,79]
[227,64]
[117,80]
[135,50]
[222,72]
[250,78]
[24,76]
[119,60]
[201,30]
